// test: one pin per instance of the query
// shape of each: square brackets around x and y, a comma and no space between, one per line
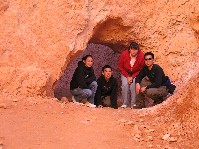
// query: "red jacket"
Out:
[125,66]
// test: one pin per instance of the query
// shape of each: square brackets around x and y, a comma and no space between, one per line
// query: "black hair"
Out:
[134,45]
[149,53]
[106,66]
[85,57]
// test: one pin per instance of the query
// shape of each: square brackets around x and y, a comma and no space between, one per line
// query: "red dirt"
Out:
[45,123]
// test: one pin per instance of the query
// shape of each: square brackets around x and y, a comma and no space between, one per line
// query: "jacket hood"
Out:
[81,64]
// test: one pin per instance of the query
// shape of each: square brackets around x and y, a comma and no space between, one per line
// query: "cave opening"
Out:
[109,38]
[102,55]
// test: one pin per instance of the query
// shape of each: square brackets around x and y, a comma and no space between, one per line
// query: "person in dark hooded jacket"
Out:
[83,85]
[106,94]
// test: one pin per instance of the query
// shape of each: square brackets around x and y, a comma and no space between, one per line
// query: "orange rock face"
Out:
[41,38]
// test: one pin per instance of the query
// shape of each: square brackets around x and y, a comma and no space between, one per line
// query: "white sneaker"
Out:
[124,106]
[73,99]
[134,105]
[88,104]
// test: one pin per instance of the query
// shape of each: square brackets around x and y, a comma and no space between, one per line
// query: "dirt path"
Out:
[41,123]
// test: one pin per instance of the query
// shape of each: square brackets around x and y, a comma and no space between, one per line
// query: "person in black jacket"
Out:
[83,85]
[106,94]
[158,85]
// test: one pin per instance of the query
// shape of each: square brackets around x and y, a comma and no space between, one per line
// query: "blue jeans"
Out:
[128,89]
[80,94]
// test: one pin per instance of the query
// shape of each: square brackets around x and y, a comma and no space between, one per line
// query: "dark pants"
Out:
[153,95]
[106,101]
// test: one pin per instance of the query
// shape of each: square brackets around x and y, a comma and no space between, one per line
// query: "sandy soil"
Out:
[45,123]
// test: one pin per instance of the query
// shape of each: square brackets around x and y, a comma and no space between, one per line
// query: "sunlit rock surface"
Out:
[45,36]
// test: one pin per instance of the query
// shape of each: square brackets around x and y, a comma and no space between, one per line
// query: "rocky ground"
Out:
[45,123]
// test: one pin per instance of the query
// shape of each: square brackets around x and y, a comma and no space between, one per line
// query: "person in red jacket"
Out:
[130,63]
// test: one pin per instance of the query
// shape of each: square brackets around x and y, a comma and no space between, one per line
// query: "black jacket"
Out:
[104,89]
[157,78]
[82,77]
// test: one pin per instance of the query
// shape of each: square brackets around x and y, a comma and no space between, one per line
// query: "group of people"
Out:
[139,76]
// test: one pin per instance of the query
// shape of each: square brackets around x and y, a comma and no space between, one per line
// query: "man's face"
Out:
[133,52]
[148,60]
[107,73]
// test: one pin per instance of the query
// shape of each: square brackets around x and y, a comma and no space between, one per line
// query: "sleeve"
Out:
[140,76]
[158,79]
[121,65]
[113,96]
[81,79]
[98,100]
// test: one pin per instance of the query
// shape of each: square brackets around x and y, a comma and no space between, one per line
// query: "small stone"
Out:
[1,144]
[136,127]
[150,138]
[137,136]
[64,99]
[151,130]
[15,100]
[3,105]
[150,146]
[130,123]
[136,139]
[54,99]
[122,121]
[158,146]
[172,139]
[166,147]
[166,136]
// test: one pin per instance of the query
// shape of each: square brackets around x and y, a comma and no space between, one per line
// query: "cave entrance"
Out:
[109,38]
[102,55]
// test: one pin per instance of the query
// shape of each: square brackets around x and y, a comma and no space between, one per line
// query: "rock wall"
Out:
[38,39]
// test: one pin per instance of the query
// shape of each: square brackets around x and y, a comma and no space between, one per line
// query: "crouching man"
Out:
[155,86]
[106,94]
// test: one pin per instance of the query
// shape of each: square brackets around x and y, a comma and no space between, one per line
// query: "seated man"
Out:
[158,85]
[106,94]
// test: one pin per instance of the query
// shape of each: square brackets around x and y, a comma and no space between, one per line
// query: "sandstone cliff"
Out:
[38,39]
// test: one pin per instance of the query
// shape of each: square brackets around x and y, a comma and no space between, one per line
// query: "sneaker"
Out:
[134,106]
[124,106]
[73,99]
[88,104]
